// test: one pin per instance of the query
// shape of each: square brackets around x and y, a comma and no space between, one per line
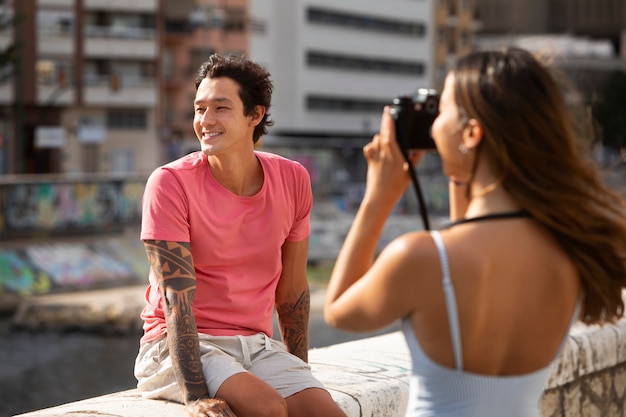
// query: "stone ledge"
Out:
[589,349]
[370,377]
[113,310]
[367,377]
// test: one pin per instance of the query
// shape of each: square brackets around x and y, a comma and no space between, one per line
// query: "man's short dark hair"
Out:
[255,86]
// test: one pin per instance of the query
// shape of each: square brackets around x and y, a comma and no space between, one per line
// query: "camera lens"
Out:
[432,106]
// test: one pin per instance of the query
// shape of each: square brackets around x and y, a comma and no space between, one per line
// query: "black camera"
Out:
[413,115]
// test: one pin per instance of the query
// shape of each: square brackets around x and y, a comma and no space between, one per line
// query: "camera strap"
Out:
[418,190]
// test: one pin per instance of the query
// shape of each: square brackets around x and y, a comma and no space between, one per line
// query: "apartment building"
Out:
[83,97]
[455,27]
[107,85]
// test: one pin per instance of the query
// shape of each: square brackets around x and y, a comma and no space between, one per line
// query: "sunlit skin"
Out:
[447,131]
[225,135]
[219,121]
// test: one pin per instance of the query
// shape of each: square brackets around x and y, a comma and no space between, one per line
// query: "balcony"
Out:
[123,5]
[132,91]
[53,95]
[123,42]
[55,44]
[56,3]
[6,93]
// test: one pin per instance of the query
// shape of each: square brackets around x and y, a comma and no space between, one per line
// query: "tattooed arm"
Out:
[172,264]
[293,300]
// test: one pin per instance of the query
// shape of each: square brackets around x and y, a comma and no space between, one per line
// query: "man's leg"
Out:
[248,396]
[313,402]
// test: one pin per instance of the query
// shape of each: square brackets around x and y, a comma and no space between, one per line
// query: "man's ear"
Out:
[472,134]
[256,115]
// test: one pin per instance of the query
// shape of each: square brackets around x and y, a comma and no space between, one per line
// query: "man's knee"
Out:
[248,396]
[313,402]
[266,408]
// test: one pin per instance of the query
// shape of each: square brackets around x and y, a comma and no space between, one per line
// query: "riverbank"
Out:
[89,348]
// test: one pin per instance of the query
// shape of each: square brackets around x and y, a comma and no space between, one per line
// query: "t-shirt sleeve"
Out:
[164,208]
[304,202]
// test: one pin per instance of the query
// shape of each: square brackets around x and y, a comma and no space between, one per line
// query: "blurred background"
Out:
[95,94]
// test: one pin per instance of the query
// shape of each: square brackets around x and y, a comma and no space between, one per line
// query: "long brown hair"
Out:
[530,141]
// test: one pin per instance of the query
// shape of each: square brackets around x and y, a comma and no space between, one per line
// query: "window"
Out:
[465,38]
[56,23]
[235,20]
[127,119]
[197,57]
[258,27]
[50,72]
[122,161]
[345,104]
[369,23]
[441,35]
[319,59]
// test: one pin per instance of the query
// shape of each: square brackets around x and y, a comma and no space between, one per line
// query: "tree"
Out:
[609,109]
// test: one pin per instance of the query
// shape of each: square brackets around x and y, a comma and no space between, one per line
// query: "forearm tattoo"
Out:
[172,264]
[293,319]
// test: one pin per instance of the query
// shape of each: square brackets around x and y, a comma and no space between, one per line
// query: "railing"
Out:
[116,32]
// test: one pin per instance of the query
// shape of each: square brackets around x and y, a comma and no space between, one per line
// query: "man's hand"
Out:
[209,407]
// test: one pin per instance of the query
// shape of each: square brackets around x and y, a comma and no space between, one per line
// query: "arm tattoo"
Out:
[172,264]
[294,325]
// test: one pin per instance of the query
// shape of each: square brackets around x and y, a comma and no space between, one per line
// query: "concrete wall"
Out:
[369,377]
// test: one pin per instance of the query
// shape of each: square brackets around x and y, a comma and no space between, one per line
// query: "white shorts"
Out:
[223,357]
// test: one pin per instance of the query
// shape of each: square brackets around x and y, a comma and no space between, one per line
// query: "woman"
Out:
[536,242]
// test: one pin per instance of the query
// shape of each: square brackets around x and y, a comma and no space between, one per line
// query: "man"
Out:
[226,230]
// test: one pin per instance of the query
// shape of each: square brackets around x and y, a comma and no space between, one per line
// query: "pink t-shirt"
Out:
[235,241]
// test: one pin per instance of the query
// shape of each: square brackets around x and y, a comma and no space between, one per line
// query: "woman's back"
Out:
[516,291]
[455,390]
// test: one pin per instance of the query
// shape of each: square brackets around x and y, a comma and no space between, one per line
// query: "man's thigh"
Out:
[247,395]
[286,373]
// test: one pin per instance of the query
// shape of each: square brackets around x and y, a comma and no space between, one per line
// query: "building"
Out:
[585,39]
[107,85]
[83,97]
[598,19]
[455,27]
[337,64]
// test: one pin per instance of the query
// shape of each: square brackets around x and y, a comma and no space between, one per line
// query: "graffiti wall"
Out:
[67,208]
[59,267]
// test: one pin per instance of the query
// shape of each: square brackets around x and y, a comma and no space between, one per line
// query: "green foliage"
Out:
[609,109]
[319,273]
[9,54]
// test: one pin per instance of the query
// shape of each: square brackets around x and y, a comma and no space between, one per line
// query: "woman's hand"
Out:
[209,407]
[387,170]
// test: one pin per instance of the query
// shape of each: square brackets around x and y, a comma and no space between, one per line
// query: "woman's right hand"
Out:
[387,170]
[209,407]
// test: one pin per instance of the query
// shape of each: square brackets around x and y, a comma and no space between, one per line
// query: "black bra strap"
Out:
[494,216]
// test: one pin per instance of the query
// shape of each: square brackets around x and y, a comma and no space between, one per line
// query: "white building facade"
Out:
[336,64]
